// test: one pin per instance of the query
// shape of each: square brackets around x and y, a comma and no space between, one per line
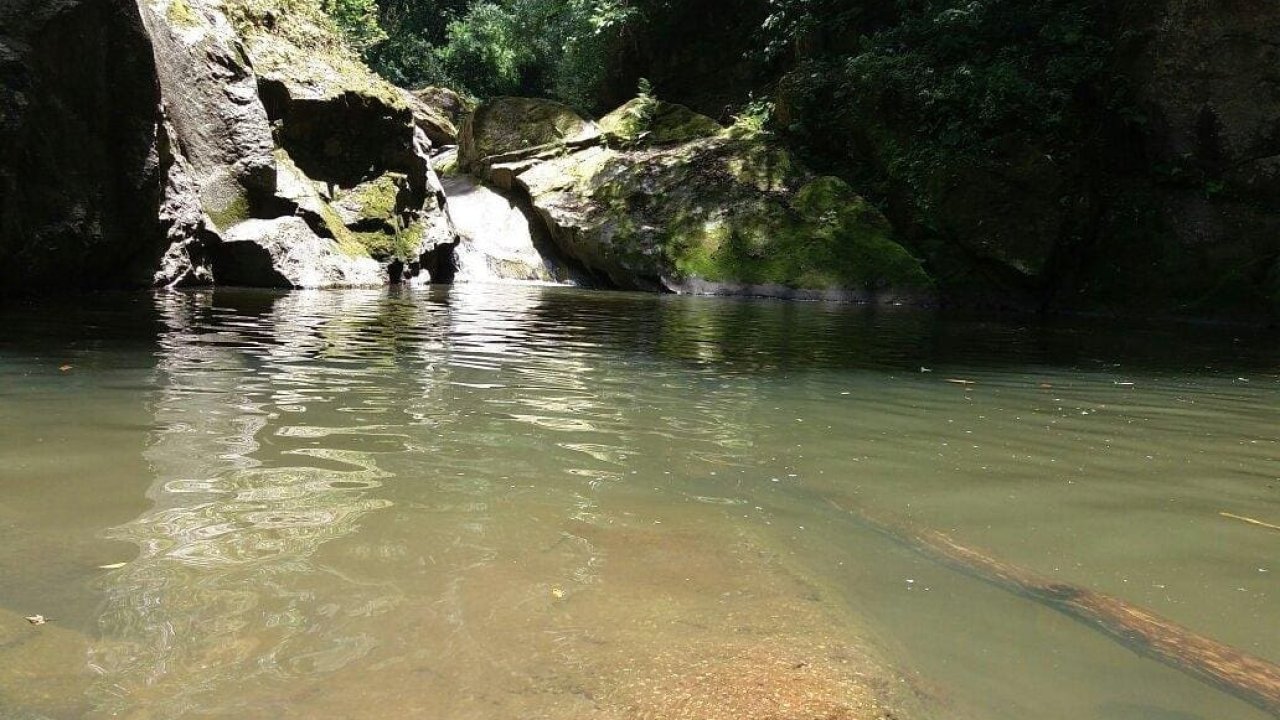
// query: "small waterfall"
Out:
[498,239]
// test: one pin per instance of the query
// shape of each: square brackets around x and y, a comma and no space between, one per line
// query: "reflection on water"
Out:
[501,502]
[225,586]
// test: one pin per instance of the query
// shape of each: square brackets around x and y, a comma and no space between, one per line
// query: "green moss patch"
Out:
[181,14]
[647,121]
[767,244]
[229,212]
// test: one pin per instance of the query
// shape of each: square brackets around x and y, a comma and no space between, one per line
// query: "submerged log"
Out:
[1249,678]
[1249,520]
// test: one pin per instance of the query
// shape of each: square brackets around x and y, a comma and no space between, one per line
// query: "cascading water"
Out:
[498,241]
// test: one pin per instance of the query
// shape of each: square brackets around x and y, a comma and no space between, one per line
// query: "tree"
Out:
[358,20]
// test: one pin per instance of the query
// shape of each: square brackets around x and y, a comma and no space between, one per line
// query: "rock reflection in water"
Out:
[226,587]
[469,502]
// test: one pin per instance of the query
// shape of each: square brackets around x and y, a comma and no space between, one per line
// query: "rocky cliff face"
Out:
[194,141]
[289,163]
[79,171]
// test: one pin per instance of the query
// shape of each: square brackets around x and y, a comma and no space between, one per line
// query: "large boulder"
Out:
[716,215]
[211,102]
[284,252]
[445,102]
[341,123]
[649,121]
[79,174]
[506,125]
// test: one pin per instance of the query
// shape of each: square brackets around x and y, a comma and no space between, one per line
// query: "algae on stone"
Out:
[181,14]
[225,212]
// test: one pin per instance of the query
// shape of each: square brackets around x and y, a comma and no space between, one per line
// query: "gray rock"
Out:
[435,124]
[188,229]
[499,239]
[211,100]
[340,123]
[507,125]
[446,102]
[286,253]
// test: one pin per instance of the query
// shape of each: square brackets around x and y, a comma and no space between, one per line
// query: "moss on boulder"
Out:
[445,102]
[719,216]
[374,203]
[505,125]
[647,121]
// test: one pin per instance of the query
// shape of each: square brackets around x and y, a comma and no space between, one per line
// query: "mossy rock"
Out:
[226,209]
[717,215]
[646,121]
[827,237]
[435,123]
[765,167]
[373,203]
[181,14]
[508,124]
[446,102]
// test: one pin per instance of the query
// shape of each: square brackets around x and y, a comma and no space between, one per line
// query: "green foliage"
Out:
[486,53]
[487,48]
[358,20]
[754,119]
[933,85]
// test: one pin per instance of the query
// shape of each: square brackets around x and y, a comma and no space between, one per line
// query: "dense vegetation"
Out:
[969,71]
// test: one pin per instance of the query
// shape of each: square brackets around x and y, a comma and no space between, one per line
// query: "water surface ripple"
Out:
[504,501]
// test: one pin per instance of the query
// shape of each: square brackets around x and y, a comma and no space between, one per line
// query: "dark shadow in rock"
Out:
[344,140]
[246,264]
[79,186]
[440,263]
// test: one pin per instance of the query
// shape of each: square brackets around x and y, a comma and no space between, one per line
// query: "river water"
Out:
[537,502]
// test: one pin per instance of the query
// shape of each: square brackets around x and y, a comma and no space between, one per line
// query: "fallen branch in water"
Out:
[1249,520]
[1252,679]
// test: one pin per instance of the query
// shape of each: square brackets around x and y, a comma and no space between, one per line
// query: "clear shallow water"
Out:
[492,502]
